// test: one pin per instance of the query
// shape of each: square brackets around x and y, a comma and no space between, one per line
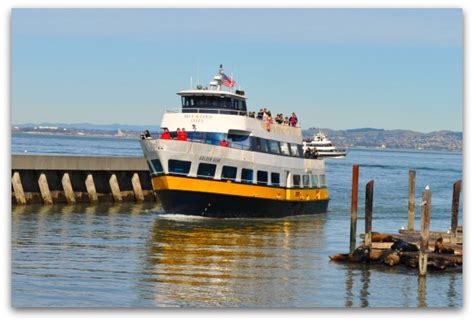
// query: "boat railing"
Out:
[230,144]
[207,110]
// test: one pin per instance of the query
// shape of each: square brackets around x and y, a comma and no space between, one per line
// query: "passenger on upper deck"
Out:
[268,121]
[166,135]
[293,119]
[260,114]
[279,119]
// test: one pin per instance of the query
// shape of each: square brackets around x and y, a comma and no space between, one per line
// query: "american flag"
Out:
[227,81]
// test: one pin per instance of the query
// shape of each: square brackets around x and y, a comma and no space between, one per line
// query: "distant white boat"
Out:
[321,147]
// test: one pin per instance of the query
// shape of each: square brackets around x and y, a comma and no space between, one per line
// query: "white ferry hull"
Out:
[214,197]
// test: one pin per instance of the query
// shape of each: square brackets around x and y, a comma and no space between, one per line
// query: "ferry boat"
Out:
[321,147]
[230,163]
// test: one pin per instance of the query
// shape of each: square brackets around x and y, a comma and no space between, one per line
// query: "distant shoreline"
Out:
[114,137]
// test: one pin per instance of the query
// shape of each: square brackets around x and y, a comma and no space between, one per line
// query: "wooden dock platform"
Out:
[421,249]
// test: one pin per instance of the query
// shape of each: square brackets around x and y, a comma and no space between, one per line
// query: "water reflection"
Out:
[422,291]
[134,255]
[237,262]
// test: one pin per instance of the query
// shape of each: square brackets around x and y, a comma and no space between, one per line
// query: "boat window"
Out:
[314,180]
[322,180]
[212,104]
[274,146]
[306,181]
[196,136]
[179,167]
[229,173]
[239,141]
[294,149]
[259,144]
[300,150]
[284,148]
[275,179]
[247,175]
[240,105]
[214,138]
[157,166]
[296,180]
[262,177]
[206,170]
[150,167]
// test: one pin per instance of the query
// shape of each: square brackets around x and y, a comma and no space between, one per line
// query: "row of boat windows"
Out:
[213,102]
[245,142]
[208,170]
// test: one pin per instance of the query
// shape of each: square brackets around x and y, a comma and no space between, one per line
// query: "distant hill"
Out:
[392,139]
[90,126]
[361,137]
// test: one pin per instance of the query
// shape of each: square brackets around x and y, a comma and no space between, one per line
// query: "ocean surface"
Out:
[130,255]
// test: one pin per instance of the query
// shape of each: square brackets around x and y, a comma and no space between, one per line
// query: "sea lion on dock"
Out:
[441,249]
[402,246]
[382,238]
[392,259]
[360,254]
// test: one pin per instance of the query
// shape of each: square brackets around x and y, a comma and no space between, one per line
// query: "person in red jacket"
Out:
[224,143]
[181,134]
[184,134]
[166,135]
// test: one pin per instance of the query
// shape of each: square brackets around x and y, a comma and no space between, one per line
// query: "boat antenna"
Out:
[191,82]
[198,69]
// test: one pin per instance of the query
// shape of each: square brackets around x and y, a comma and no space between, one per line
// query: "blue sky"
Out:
[336,68]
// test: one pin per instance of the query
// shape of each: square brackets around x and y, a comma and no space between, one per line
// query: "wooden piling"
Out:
[411,200]
[137,188]
[369,197]
[68,191]
[355,191]
[425,231]
[455,211]
[18,189]
[44,189]
[115,189]
[91,192]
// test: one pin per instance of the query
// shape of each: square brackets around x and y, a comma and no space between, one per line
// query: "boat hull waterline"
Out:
[224,199]
[226,206]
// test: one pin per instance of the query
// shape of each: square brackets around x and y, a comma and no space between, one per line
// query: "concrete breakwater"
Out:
[52,179]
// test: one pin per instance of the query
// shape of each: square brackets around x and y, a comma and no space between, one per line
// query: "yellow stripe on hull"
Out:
[167,182]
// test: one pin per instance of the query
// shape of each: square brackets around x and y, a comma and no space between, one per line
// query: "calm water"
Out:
[136,255]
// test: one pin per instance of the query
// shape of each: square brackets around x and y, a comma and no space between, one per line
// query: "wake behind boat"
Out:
[230,162]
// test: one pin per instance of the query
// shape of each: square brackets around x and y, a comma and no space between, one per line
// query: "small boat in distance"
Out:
[321,147]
